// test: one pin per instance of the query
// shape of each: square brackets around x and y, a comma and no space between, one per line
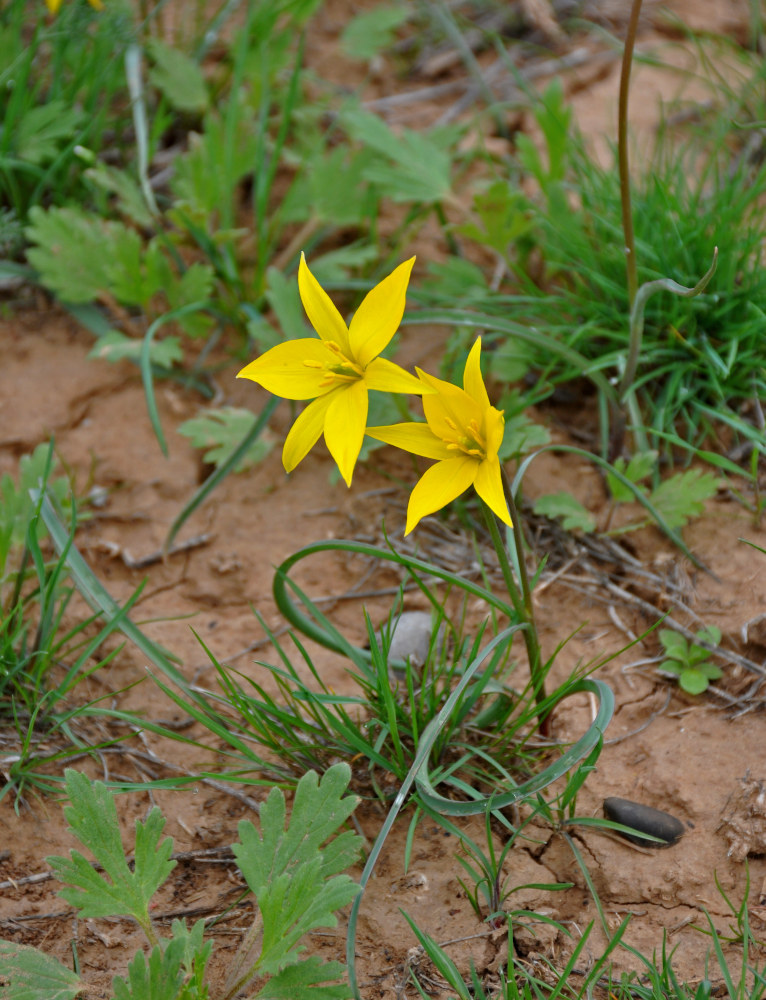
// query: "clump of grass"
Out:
[564,313]
[700,355]
[63,100]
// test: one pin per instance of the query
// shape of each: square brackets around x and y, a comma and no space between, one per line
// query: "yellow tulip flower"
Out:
[463,432]
[337,369]
[53,5]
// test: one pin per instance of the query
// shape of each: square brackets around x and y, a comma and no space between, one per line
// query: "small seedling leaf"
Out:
[573,515]
[505,216]
[674,644]
[221,431]
[178,77]
[174,970]
[458,278]
[29,974]
[710,634]
[673,667]
[294,904]
[115,346]
[511,361]
[710,670]
[639,468]
[195,285]
[44,129]
[682,496]
[410,166]
[92,818]
[370,32]
[331,188]
[693,681]
[303,980]
[318,810]
[158,978]
[130,201]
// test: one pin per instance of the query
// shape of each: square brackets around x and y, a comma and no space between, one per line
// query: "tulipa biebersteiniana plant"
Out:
[463,431]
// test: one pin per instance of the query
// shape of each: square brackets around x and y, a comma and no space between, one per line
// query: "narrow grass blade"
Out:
[98,598]
[146,365]
[430,735]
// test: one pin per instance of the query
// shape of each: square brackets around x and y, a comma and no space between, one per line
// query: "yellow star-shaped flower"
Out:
[463,433]
[337,369]
[53,5]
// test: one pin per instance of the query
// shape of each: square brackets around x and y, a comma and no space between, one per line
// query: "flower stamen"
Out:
[471,441]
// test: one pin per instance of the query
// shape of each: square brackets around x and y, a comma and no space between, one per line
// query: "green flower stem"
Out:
[505,566]
[522,601]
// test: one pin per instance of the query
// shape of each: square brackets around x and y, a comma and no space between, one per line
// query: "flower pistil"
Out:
[341,370]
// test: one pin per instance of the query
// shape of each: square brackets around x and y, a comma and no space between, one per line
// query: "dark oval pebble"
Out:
[644,819]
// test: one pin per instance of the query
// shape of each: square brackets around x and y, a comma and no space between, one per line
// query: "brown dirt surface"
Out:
[702,759]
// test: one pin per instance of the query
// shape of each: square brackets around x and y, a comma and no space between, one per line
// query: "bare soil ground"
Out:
[701,759]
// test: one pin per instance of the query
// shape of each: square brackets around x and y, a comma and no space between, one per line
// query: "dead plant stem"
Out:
[622,152]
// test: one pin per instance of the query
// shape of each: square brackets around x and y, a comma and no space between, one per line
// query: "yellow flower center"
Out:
[339,369]
[469,439]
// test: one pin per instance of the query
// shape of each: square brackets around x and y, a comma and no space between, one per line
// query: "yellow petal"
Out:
[53,5]
[385,376]
[439,486]
[378,317]
[322,314]
[344,426]
[489,485]
[283,369]
[305,432]
[448,408]
[494,428]
[473,383]
[416,438]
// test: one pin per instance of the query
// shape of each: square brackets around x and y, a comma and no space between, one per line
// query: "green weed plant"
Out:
[689,662]
[62,102]
[43,656]
[294,873]
[699,358]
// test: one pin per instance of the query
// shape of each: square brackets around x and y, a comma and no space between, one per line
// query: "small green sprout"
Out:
[689,662]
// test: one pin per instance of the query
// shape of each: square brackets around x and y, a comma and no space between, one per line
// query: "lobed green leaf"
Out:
[574,516]
[29,974]
[92,818]
[682,496]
